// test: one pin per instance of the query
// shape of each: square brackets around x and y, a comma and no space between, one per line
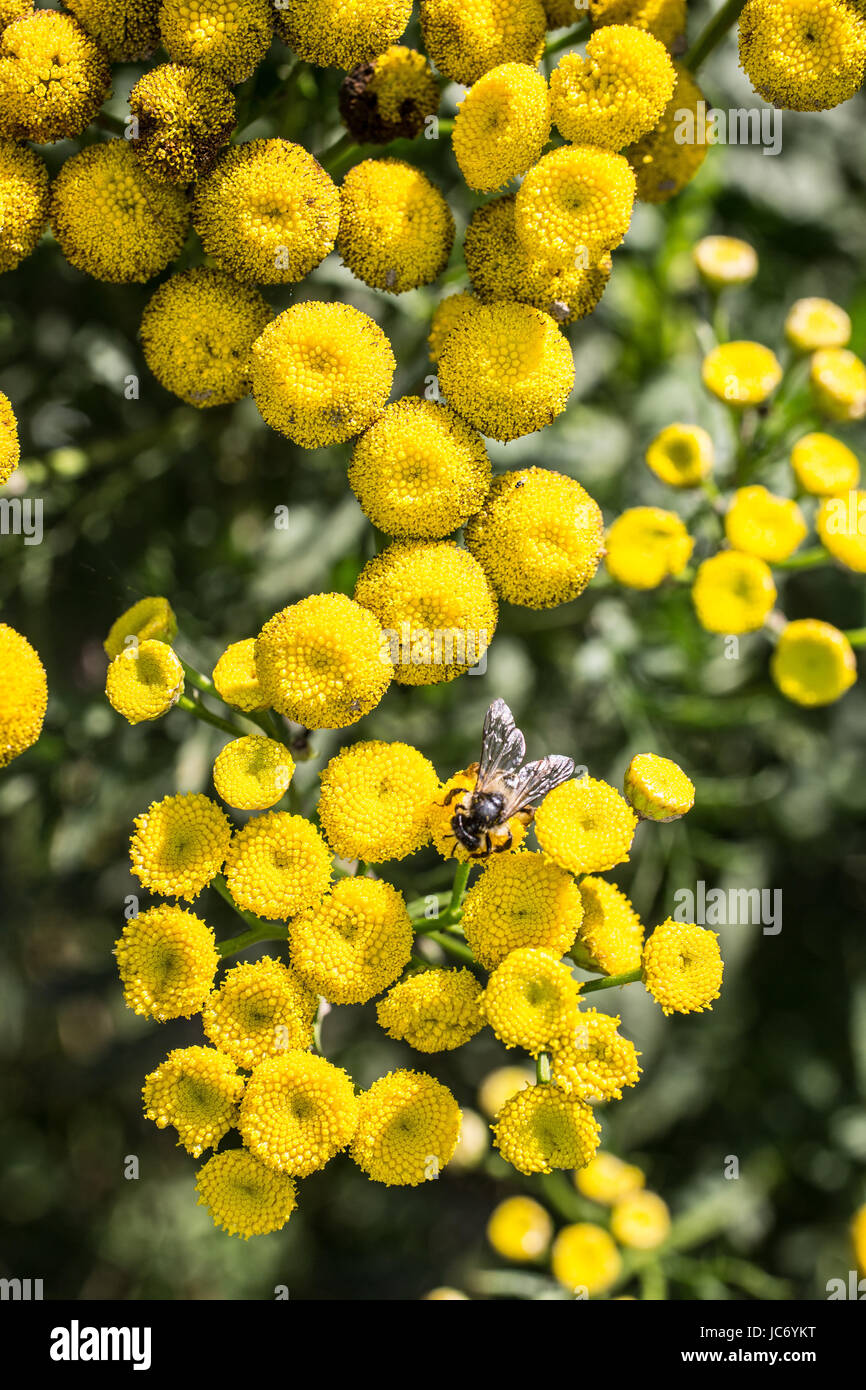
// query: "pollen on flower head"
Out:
[725,261]
[595,1061]
[663,163]
[545,1127]
[341,33]
[539,537]
[236,679]
[607,1179]
[441,819]
[196,1090]
[813,663]
[149,620]
[375,799]
[435,606]
[354,943]
[466,38]
[521,900]
[617,93]
[446,316]
[252,773]
[645,546]
[681,455]
[321,661]
[433,1011]
[185,116]
[10,449]
[803,55]
[144,682]
[389,98]
[741,373]
[824,466]
[817,323]
[277,866]
[322,373]
[267,212]
[665,19]
[10,10]
[657,788]
[23,206]
[641,1221]
[244,1196]
[519,1228]
[585,1257]
[502,125]
[114,221]
[408,1127]
[260,1010]
[733,592]
[610,938]
[531,1000]
[126,30]
[53,78]
[760,523]
[419,472]
[167,959]
[180,844]
[585,826]
[396,229]
[575,202]
[682,967]
[838,381]
[23,694]
[297,1112]
[226,37]
[507,369]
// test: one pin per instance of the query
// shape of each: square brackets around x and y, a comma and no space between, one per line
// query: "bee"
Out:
[503,789]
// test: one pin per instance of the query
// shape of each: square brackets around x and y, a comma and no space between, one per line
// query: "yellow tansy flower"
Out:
[167,959]
[531,1000]
[261,1009]
[762,524]
[723,261]
[824,466]
[741,373]
[576,201]
[641,1221]
[663,164]
[803,55]
[375,801]
[657,788]
[297,1112]
[354,943]
[838,380]
[23,208]
[226,37]
[180,844]
[607,1179]
[681,455]
[545,1127]
[433,1011]
[127,30]
[277,866]
[144,682]
[150,619]
[500,1085]
[617,93]
[341,33]
[466,38]
[733,592]
[519,1229]
[196,1090]
[441,815]
[610,938]
[53,78]
[645,546]
[236,678]
[813,663]
[585,1257]
[253,772]
[244,1196]
[408,1127]
[595,1061]
[521,900]
[185,116]
[396,229]
[817,323]
[23,694]
[682,967]
[389,98]
[502,125]
[585,826]
[450,311]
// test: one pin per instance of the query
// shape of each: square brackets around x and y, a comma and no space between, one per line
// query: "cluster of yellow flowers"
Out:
[760,532]
[530,917]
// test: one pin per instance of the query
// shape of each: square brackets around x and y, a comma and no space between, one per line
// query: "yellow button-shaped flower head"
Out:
[148,620]
[53,78]
[236,678]
[657,788]
[185,116]
[813,663]
[665,19]
[389,98]
[617,93]
[354,943]
[531,1000]
[682,967]
[253,772]
[647,545]
[466,38]
[448,313]
[408,1127]
[244,1196]
[544,1127]
[225,37]
[610,938]
[803,55]
[197,1090]
[763,524]
[595,1061]
[277,866]
[500,1085]
[725,261]
[608,1179]
[261,1009]
[817,323]
[341,33]
[641,1221]
[297,1112]
[733,592]
[741,373]
[681,455]
[824,466]
[539,537]
[144,682]
[126,30]
[507,369]
[23,694]
[23,208]
[838,380]
[521,900]
[167,959]
[10,449]
[433,1011]
[575,203]
[322,662]
[502,126]
[180,844]
[585,826]
[375,801]
[585,1259]
[519,1229]
[396,229]
[662,161]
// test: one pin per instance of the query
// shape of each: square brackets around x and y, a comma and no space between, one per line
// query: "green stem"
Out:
[196,708]
[817,555]
[857,636]
[611,981]
[258,930]
[452,947]
[576,35]
[461,878]
[713,34]
[340,150]
[195,678]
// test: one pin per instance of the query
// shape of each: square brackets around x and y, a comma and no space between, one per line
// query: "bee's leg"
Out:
[464,791]
[525,815]
[506,844]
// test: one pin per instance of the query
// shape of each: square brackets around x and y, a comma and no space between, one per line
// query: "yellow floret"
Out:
[681,455]
[408,1127]
[448,313]
[665,19]
[500,1085]
[585,826]
[180,844]
[236,679]
[724,261]
[595,1061]
[664,162]
[396,229]
[507,369]
[610,938]
[813,663]
[544,1127]
[585,1259]
[23,206]
[267,212]
[502,125]
[466,38]
[657,788]
[23,694]
[433,1011]
[803,55]
[531,1000]
[114,221]
[817,323]
[607,1179]
[322,373]
[838,380]
[323,662]
[762,524]
[824,466]
[841,524]
[226,37]
[53,78]
[521,900]
[149,620]
[354,943]
[741,373]
[196,1090]
[575,204]
[682,967]
[297,1112]
[375,800]
[261,1009]
[144,682]
[442,812]
[10,449]
[185,116]
[11,10]
[641,1221]
[539,537]
[616,94]
[519,1229]
[167,959]
[341,33]
[127,30]
[389,98]
[733,592]
[253,772]
[645,546]
[277,866]
[244,1196]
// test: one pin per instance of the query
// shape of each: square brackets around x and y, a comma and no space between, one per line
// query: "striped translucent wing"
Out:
[534,781]
[502,746]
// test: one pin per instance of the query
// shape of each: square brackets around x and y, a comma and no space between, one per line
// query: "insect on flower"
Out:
[503,789]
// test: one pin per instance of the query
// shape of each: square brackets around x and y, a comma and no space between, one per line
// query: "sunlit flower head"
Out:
[803,55]
[742,373]
[396,229]
[519,1229]
[657,788]
[520,900]
[23,694]
[585,1258]
[610,938]
[53,78]
[595,1061]
[144,682]
[664,163]
[375,801]
[682,967]
[167,959]
[148,620]
[733,592]
[408,1127]
[244,1196]
[645,546]
[297,1112]
[824,466]
[617,93]
[261,1009]
[185,116]
[180,844]
[126,30]
[341,33]
[450,311]
[196,1090]
[466,38]
[681,455]
[576,201]
[23,209]
[531,1000]
[252,773]
[838,380]
[763,524]
[817,323]
[544,1127]
[277,866]
[225,37]
[236,678]
[502,125]
[585,826]
[354,943]
[641,1221]
[725,261]
[433,1011]
[607,1179]
[813,663]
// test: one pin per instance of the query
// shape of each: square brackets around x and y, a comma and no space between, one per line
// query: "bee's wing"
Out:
[534,781]
[502,745]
